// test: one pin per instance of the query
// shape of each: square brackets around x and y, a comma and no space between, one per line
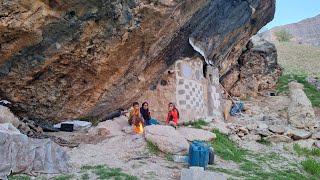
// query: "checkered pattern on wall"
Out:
[190,95]
[190,90]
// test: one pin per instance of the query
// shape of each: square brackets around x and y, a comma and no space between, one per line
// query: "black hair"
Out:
[144,104]
[135,103]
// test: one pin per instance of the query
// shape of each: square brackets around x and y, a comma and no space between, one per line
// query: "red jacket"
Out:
[175,116]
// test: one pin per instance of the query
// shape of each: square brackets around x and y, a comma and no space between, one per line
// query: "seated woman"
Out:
[173,115]
[144,110]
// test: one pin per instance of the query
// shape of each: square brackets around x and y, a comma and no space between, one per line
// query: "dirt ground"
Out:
[119,150]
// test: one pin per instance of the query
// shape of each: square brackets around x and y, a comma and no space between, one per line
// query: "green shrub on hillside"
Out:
[282,35]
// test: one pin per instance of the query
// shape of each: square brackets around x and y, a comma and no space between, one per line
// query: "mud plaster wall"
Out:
[159,98]
[196,95]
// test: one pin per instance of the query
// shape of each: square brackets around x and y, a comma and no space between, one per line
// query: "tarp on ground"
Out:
[21,154]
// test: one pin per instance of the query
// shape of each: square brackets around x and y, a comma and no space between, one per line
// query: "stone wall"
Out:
[159,98]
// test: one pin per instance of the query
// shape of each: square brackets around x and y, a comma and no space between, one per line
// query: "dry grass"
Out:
[299,59]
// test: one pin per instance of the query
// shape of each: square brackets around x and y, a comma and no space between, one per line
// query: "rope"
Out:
[231,98]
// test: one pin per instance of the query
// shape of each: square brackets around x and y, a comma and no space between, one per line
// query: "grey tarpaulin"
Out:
[21,154]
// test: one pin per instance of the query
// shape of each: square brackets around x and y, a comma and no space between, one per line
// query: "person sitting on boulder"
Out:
[173,115]
[237,106]
[134,113]
[144,110]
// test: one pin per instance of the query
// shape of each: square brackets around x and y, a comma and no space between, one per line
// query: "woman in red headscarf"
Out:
[173,115]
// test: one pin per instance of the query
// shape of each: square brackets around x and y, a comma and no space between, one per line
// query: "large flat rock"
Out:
[192,134]
[167,139]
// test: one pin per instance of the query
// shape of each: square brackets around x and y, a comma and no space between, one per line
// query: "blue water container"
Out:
[199,154]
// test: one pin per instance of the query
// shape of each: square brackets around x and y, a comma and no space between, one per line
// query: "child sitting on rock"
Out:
[134,113]
[173,115]
[135,119]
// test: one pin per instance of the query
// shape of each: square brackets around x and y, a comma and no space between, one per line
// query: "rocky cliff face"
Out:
[68,59]
[304,32]
[257,70]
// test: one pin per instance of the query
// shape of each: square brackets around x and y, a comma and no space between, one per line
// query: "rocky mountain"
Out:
[304,32]
[86,58]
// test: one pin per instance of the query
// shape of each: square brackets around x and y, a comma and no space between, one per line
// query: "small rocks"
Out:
[317,144]
[277,129]
[298,134]
[244,130]
[240,134]
[278,138]
[235,138]
[308,143]
[222,128]
[251,137]
[127,129]
[266,118]
[264,132]
[252,126]
[316,136]
[112,127]
[262,125]
[103,132]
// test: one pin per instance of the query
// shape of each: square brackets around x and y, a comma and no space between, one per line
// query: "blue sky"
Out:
[291,11]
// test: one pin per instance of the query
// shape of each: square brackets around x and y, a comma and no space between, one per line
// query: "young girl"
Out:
[173,115]
[144,110]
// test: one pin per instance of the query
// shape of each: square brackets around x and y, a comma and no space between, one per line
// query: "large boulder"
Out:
[167,139]
[112,127]
[6,116]
[258,70]
[192,134]
[300,111]
[65,59]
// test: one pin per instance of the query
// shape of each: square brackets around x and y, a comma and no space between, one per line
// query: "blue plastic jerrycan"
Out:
[199,154]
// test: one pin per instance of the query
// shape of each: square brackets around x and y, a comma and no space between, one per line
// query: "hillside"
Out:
[299,59]
[304,32]
[299,62]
